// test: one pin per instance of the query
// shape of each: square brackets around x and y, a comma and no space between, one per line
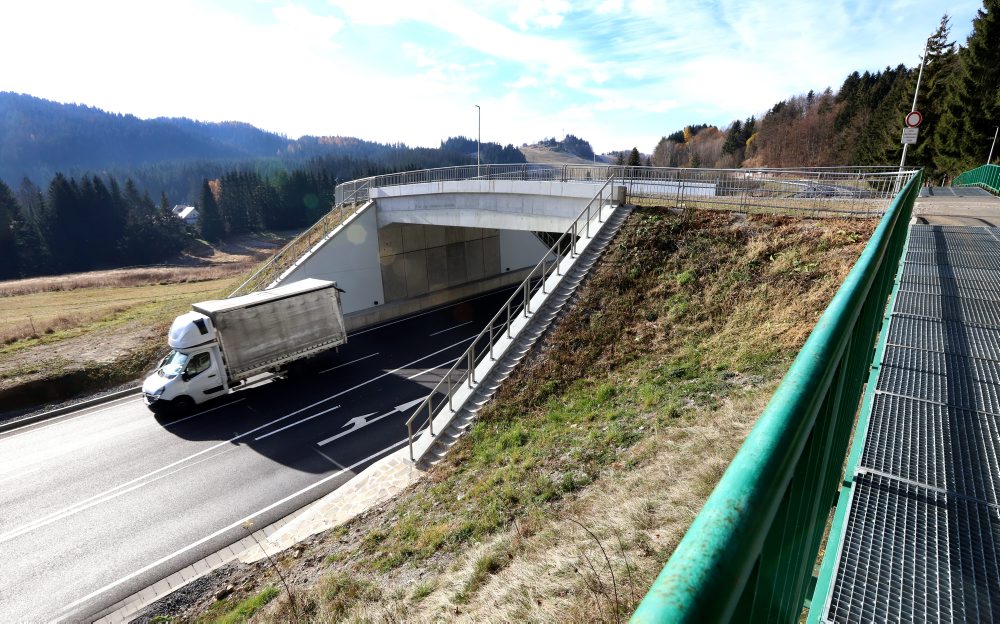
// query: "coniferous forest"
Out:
[861,123]
[77,184]
[93,221]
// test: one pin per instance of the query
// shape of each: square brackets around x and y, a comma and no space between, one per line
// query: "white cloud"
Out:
[539,13]
[610,7]
[400,70]
[524,82]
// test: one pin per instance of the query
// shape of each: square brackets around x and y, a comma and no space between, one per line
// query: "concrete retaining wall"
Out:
[350,257]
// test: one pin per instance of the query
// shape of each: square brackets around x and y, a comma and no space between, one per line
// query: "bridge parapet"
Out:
[814,191]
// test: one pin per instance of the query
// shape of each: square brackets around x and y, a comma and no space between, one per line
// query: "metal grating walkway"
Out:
[921,532]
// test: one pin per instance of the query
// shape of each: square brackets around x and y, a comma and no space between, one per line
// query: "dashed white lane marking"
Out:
[450,328]
[93,502]
[217,407]
[346,363]
[240,522]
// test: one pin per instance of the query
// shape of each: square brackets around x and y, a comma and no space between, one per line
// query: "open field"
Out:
[546,156]
[577,481]
[105,327]
[44,317]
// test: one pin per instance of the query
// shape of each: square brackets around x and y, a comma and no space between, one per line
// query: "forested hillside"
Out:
[861,123]
[39,138]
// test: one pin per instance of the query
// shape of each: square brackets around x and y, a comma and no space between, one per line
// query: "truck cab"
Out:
[192,372]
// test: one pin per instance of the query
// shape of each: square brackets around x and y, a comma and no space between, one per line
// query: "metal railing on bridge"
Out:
[749,555]
[986,177]
[815,191]
[484,345]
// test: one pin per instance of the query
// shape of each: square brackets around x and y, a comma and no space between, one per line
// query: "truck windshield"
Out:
[173,364]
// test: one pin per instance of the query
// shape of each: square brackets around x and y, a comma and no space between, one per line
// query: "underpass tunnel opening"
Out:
[419,259]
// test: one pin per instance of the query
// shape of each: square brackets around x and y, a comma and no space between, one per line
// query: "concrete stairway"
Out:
[512,351]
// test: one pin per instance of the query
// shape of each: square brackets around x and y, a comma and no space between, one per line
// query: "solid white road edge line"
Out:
[63,419]
[449,329]
[230,527]
[346,363]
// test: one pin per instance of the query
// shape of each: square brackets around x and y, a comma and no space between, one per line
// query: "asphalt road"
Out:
[100,503]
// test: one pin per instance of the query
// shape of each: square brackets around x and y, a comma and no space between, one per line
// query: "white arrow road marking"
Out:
[297,422]
[357,421]
[360,422]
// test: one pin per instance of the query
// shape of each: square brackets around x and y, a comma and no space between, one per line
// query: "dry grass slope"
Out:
[578,480]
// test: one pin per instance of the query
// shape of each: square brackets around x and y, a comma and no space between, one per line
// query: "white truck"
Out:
[221,344]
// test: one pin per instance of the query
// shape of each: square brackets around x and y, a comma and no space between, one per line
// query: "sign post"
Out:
[913,110]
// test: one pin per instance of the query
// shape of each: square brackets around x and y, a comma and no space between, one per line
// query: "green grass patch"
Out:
[339,592]
[232,612]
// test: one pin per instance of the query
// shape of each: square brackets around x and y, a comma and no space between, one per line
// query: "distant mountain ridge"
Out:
[39,137]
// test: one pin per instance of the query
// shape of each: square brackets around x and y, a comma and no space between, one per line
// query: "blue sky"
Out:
[619,73]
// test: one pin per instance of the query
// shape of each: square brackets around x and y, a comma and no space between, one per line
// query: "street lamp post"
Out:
[479,134]
[989,158]
[920,74]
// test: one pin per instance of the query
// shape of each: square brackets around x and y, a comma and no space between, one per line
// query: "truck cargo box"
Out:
[263,330]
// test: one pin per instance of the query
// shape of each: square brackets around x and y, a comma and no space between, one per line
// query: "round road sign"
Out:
[913,119]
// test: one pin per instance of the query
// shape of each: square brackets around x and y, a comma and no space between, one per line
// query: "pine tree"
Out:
[972,107]
[733,136]
[940,66]
[634,159]
[8,234]
[209,217]
[63,223]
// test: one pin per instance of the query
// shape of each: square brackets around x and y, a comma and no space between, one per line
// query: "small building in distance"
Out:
[189,214]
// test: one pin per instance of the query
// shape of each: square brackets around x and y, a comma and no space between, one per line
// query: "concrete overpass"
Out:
[411,247]
[400,243]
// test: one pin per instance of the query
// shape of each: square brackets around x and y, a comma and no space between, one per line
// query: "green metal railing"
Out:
[749,555]
[987,177]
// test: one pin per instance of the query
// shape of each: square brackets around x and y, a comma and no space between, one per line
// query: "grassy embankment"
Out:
[577,481]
